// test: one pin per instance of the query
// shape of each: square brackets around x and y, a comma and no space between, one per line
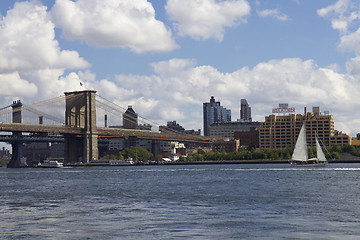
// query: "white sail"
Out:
[300,152]
[319,152]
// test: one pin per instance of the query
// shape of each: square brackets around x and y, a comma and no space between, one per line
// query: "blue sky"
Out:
[167,57]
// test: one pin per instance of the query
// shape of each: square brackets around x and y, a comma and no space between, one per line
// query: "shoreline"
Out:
[263,161]
[252,162]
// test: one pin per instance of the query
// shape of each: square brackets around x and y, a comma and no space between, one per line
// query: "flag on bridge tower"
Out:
[81,84]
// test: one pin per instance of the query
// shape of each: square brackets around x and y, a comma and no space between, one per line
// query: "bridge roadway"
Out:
[103,132]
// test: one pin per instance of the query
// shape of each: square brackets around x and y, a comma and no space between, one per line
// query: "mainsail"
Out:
[300,152]
[319,152]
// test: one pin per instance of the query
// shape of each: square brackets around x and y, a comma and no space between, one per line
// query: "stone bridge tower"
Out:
[81,113]
[17,145]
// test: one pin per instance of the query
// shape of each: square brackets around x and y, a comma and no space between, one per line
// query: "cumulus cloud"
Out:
[13,85]
[204,19]
[342,13]
[107,23]
[345,15]
[27,41]
[298,82]
[32,64]
[275,13]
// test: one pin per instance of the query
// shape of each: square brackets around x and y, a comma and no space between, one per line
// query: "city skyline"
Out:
[166,58]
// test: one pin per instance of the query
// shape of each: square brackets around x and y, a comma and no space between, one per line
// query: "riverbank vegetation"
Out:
[251,153]
[137,154]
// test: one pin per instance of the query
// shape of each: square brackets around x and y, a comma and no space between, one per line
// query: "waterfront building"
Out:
[173,150]
[245,111]
[213,112]
[282,131]
[248,138]
[228,129]
[226,145]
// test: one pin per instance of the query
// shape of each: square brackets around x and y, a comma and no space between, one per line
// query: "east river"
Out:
[265,201]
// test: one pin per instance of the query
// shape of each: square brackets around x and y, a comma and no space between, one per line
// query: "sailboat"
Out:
[300,154]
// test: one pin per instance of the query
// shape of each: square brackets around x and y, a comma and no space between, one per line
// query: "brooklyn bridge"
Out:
[79,131]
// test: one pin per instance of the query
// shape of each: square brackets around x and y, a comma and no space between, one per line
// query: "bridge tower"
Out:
[81,113]
[17,145]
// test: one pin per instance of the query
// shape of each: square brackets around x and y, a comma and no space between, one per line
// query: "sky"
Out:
[167,57]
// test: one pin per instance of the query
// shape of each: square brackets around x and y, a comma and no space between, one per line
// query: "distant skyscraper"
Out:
[245,111]
[214,113]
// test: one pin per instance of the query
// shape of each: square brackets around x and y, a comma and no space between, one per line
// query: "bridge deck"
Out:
[103,132]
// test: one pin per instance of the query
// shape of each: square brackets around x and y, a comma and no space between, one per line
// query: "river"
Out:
[242,201]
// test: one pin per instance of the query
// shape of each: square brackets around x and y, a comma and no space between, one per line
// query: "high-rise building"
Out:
[130,119]
[245,111]
[213,113]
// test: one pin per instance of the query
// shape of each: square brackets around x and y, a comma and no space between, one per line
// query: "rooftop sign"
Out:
[283,108]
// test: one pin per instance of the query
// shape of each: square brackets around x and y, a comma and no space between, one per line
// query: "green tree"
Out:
[200,151]
[138,154]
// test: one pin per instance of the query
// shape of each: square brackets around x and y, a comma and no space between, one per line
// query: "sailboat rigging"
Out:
[300,154]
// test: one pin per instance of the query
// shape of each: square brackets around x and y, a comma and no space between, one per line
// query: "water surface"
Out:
[270,201]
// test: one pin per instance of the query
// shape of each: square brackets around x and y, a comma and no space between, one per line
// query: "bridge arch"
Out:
[81,113]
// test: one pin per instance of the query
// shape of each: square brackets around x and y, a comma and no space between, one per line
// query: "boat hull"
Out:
[308,164]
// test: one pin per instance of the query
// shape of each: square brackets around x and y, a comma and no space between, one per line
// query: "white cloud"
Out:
[13,85]
[351,42]
[106,23]
[27,41]
[204,19]
[343,13]
[32,64]
[275,13]
[179,94]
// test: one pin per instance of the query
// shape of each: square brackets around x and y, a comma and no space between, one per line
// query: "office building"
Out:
[213,112]
[282,131]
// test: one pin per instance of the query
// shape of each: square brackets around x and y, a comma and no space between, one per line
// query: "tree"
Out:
[138,154]
[200,151]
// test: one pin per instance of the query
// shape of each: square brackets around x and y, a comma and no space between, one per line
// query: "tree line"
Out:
[140,154]
[251,153]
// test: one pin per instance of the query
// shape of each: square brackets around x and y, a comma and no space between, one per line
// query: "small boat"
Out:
[128,162]
[300,154]
[51,164]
